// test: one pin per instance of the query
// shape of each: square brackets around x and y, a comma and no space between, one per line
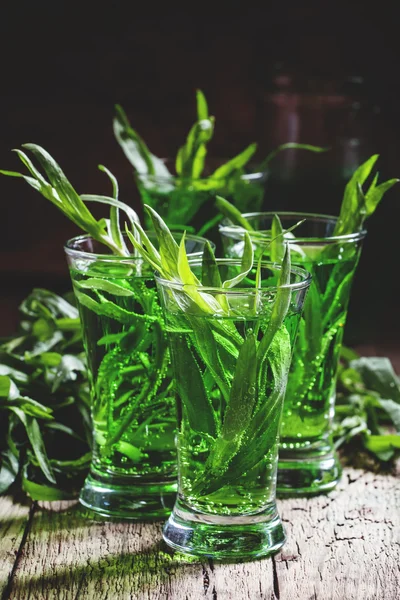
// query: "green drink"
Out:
[307,460]
[133,469]
[230,351]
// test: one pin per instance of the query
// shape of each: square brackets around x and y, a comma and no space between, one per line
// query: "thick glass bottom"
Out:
[306,473]
[128,498]
[224,537]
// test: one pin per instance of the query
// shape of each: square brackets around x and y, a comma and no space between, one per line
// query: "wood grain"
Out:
[343,546]
[14,524]
[68,556]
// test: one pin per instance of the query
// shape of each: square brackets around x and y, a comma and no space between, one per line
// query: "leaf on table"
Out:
[8,470]
[378,375]
[35,437]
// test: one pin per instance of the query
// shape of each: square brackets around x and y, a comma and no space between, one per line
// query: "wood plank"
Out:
[14,521]
[67,556]
[345,545]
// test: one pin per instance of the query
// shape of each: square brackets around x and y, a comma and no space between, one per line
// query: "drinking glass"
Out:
[178,200]
[230,363]
[307,459]
[133,467]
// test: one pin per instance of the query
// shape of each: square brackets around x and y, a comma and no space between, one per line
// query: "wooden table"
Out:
[342,546]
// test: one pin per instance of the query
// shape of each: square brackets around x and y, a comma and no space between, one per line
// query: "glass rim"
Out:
[256,175]
[77,253]
[295,286]
[237,229]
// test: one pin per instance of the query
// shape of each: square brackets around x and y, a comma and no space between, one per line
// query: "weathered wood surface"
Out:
[343,546]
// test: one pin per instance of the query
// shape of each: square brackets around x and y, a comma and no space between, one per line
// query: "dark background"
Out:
[315,72]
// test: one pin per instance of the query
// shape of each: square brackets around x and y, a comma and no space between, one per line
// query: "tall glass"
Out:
[178,200]
[230,369]
[133,470]
[307,459]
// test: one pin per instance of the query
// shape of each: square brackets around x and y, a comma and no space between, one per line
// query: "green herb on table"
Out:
[367,412]
[127,356]
[44,401]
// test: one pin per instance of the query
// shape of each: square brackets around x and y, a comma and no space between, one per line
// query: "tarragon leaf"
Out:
[280,306]
[378,375]
[277,245]
[246,265]
[35,437]
[8,470]
[236,163]
[135,148]
[289,146]
[239,409]
[232,213]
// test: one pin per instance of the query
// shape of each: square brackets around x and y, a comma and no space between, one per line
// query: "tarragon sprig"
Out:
[357,205]
[62,194]
[190,159]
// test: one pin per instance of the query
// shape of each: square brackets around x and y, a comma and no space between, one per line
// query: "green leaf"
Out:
[33,431]
[31,407]
[279,308]
[357,206]
[261,434]
[38,491]
[169,249]
[236,163]
[243,390]
[382,443]
[115,229]
[45,359]
[277,246]
[109,309]
[232,213]
[205,342]
[67,370]
[95,283]
[204,301]
[192,391]
[8,470]
[246,265]
[202,107]
[378,375]
[70,200]
[190,159]
[8,389]
[289,146]
[375,195]
[313,321]
[135,148]
[393,410]
[16,375]
[210,272]
[41,299]
[239,409]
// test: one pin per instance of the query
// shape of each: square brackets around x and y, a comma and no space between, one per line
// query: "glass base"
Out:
[305,474]
[128,498]
[224,537]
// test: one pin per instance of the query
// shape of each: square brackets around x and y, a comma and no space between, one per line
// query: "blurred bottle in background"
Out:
[340,112]
[333,111]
